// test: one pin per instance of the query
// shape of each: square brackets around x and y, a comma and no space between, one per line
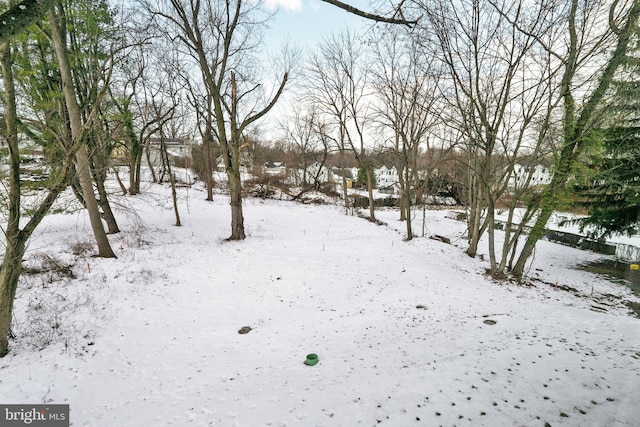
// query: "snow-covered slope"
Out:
[407,333]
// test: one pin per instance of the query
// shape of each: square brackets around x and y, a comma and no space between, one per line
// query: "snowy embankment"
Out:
[407,333]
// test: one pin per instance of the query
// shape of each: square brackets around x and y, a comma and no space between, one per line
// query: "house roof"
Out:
[270,164]
[168,141]
[345,172]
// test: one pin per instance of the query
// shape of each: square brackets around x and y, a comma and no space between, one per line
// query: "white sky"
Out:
[304,22]
[290,5]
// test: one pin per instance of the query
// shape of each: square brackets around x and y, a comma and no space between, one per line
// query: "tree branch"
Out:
[371,16]
[252,119]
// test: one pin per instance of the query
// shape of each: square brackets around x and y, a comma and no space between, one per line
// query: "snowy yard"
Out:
[407,333]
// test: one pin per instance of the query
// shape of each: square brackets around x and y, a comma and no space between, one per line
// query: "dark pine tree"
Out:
[610,187]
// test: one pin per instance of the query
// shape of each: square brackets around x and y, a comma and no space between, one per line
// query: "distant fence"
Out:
[623,252]
[627,252]
[363,202]
[600,247]
[568,239]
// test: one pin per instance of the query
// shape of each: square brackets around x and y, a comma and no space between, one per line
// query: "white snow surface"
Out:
[151,338]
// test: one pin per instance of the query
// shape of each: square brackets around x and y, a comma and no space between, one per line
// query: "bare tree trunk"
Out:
[492,237]
[134,153]
[372,208]
[147,152]
[414,174]
[120,183]
[14,251]
[107,213]
[237,218]
[75,118]
[206,154]
[208,174]
[538,230]
[172,177]
[345,194]
[9,276]
[403,192]
[137,165]
[345,190]
[510,238]
[174,196]
[474,222]
[132,175]
[82,168]
[407,202]
[99,173]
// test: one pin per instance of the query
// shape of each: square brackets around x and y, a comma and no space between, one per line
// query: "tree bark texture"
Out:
[56,21]
[12,262]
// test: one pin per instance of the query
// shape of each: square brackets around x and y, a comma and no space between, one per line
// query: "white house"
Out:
[540,175]
[386,177]
[337,174]
[274,168]
[309,173]
[176,148]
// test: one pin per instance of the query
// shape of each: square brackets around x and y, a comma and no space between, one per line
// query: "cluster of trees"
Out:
[496,82]
[524,79]
[82,79]
[482,82]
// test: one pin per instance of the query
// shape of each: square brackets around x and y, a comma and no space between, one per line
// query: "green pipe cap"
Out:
[312,359]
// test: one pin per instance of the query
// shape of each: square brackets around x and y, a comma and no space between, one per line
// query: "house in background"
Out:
[314,173]
[176,148]
[336,175]
[386,179]
[274,168]
[540,174]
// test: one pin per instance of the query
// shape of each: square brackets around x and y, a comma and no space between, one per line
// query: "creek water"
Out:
[615,271]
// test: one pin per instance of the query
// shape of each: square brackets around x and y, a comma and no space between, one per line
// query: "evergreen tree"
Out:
[361,179]
[610,186]
[610,191]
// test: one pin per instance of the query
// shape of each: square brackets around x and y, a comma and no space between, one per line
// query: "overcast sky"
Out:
[304,22]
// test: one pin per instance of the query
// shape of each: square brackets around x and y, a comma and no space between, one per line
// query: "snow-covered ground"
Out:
[407,333]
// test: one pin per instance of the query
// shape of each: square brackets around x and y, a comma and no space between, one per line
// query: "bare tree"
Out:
[309,145]
[202,105]
[25,13]
[493,100]
[165,105]
[132,126]
[338,80]
[220,37]
[406,81]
